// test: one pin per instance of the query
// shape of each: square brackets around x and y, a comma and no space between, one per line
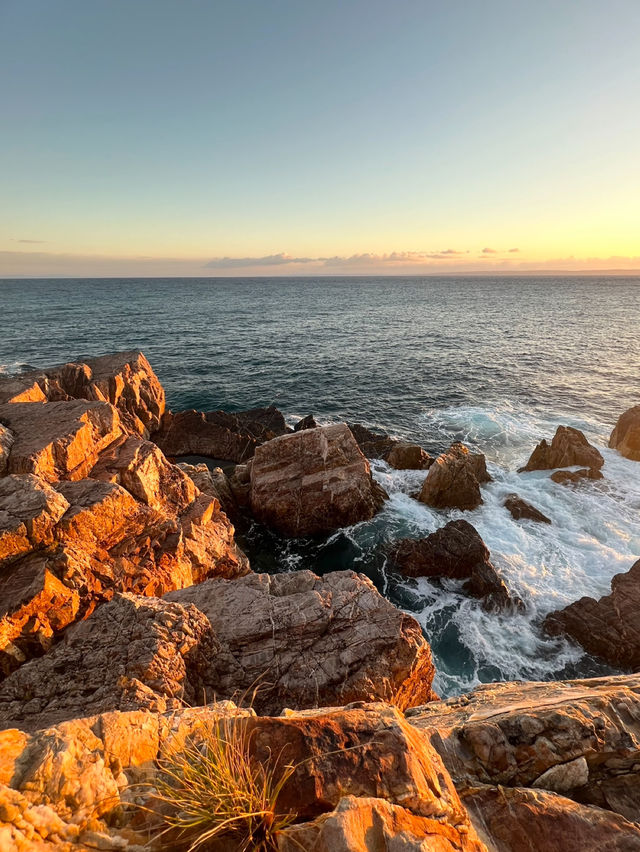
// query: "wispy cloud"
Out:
[280,259]
[32,242]
[489,251]
[514,251]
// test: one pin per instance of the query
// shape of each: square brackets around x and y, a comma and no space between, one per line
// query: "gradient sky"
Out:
[201,137]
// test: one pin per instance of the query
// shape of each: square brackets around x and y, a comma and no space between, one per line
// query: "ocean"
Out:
[496,362]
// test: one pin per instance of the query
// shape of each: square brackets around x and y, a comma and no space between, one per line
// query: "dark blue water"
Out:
[496,362]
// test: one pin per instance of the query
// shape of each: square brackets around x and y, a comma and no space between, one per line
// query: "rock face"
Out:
[305,641]
[125,380]
[401,455]
[456,551]
[6,442]
[313,482]
[454,479]
[521,510]
[215,483]
[307,422]
[573,477]
[404,456]
[626,436]
[608,628]
[569,447]
[218,434]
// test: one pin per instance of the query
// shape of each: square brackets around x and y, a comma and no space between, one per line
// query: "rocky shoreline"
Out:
[131,619]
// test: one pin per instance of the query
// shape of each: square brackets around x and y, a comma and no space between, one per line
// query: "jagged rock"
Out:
[219,434]
[29,511]
[626,436]
[6,442]
[215,483]
[572,477]
[521,510]
[313,482]
[59,440]
[405,456]
[456,551]
[132,653]
[609,628]
[374,445]
[454,479]
[124,379]
[306,641]
[521,820]
[307,422]
[569,447]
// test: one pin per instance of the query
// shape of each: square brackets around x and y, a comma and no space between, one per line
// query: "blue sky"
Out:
[192,137]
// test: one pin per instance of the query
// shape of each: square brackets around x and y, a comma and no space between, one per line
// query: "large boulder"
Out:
[608,628]
[219,434]
[454,479]
[405,456]
[456,551]
[568,447]
[313,482]
[124,379]
[305,641]
[626,436]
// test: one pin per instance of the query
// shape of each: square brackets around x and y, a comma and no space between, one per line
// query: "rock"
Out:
[219,434]
[521,820]
[307,422]
[124,379]
[404,456]
[132,653]
[215,483]
[305,641]
[59,440]
[454,480]
[564,777]
[572,477]
[626,436]
[608,628]
[521,510]
[455,551]
[29,511]
[569,447]
[6,442]
[374,445]
[313,482]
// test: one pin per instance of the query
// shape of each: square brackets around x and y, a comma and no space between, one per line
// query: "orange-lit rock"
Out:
[454,479]
[568,447]
[30,508]
[626,436]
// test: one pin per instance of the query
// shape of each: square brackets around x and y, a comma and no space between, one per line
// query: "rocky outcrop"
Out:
[625,438]
[313,482]
[405,456]
[219,434]
[454,479]
[574,477]
[569,447]
[124,379]
[6,442]
[608,628]
[306,641]
[458,552]
[374,445]
[521,510]
[215,483]
[307,422]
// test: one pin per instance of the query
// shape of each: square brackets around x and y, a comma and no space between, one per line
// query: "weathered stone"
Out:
[313,482]
[626,436]
[307,422]
[29,511]
[305,641]
[132,653]
[454,479]
[404,456]
[564,777]
[521,510]
[59,440]
[573,477]
[456,551]
[374,445]
[569,447]
[6,442]
[215,483]
[608,628]
[219,434]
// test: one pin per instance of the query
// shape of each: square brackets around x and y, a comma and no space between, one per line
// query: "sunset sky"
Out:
[281,137]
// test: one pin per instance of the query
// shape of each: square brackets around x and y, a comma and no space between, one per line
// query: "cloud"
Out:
[489,251]
[281,259]
[30,241]
[513,251]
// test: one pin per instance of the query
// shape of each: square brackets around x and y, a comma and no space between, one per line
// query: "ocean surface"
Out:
[498,363]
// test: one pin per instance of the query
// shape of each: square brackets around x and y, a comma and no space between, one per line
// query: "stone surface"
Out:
[219,434]
[568,447]
[313,482]
[608,628]
[132,653]
[305,641]
[29,511]
[6,442]
[625,437]
[456,550]
[574,477]
[307,422]
[215,483]
[404,456]
[454,479]
[59,440]
[521,510]
[374,445]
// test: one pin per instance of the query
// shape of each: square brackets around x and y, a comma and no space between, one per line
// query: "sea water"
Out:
[495,362]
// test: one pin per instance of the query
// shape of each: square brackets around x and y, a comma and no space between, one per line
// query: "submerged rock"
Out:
[569,447]
[456,551]
[626,436]
[313,482]
[454,479]
[573,477]
[521,510]
[609,628]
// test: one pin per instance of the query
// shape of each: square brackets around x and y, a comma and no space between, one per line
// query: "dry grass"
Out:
[210,790]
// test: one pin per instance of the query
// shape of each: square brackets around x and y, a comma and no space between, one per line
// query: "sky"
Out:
[288,137]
